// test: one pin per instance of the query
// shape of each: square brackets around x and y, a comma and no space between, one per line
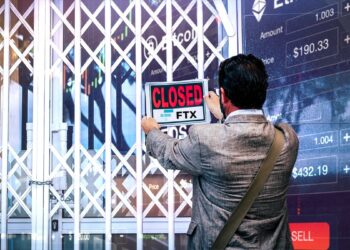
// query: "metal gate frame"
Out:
[43,146]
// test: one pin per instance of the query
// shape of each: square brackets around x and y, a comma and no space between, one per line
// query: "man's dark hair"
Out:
[244,79]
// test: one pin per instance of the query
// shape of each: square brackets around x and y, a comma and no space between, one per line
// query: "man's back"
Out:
[224,158]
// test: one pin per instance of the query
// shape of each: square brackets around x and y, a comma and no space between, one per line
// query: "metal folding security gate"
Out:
[74,173]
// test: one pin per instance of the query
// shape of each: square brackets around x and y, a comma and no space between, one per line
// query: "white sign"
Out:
[177,103]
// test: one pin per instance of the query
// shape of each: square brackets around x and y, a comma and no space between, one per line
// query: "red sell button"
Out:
[307,236]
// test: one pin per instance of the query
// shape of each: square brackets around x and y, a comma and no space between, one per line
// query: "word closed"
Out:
[177,96]
[177,103]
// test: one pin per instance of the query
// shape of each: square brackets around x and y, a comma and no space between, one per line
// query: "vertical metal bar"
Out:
[5,125]
[57,78]
[169,67]
[169,41]
[77,82]
[57,136]
[35,169]
[38,120]
[239,36]
[35,205]
[46,58]
[200,42]
[139,180]
[108,110]
[232,38]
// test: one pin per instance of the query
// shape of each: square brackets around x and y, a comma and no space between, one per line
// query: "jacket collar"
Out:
[246,115]
[246,112]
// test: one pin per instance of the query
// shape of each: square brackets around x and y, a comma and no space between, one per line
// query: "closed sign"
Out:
[177,103]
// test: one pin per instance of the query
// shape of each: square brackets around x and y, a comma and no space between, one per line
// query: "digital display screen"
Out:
[305,46]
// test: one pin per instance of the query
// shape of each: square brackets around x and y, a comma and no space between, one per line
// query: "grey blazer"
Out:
[223,159]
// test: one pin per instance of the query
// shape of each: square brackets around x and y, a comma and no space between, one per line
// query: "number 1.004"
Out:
[323,140]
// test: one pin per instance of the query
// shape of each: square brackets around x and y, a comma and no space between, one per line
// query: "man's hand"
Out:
[149,123]
[213,103]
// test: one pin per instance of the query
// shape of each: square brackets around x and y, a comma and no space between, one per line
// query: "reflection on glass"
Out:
[123,241]
[150,241]
[87,241]
[19,241]
[183,195]
[181,241]
[93,93]
[124,187]
[155,195]
[155,241]
[92,182]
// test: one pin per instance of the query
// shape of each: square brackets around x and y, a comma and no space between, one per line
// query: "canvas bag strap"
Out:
[256,186]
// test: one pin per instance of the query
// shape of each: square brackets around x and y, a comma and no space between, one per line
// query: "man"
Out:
[224,158]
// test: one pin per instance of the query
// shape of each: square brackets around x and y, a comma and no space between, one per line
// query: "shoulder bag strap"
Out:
[256,186]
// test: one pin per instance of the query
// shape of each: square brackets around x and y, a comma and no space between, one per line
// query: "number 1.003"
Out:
[324,14]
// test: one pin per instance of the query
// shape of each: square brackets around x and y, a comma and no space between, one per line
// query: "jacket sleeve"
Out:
[173,153]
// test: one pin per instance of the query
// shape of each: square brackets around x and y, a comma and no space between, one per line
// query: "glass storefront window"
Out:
[124,241]
[58,50]
[87,241]
[19,241]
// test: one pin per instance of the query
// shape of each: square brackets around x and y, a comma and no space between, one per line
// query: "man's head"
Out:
[244,81]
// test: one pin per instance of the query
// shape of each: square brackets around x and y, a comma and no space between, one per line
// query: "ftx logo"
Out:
[259,7]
